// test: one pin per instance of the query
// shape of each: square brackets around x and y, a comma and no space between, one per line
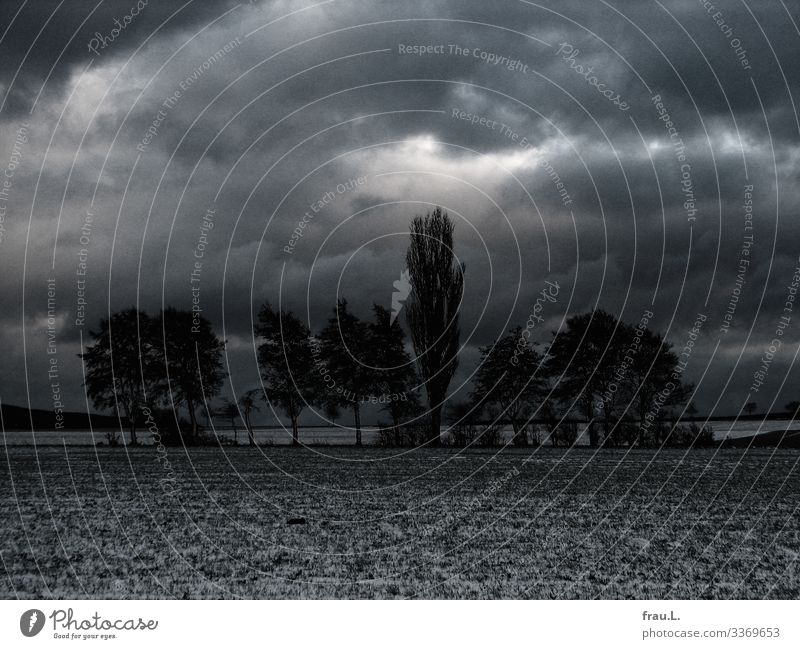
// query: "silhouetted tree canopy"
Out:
[650,367]
[582,360]
[510,377]
[348,356]
[396,378]
[621,377]
[120,365]
[191,358]
[290,374]
[614,372]
[137,361]
[230,411]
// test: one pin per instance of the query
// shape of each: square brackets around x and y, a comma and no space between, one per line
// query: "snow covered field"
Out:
[277,522]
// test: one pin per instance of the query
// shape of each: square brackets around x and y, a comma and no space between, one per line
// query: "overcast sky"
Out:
[260,111]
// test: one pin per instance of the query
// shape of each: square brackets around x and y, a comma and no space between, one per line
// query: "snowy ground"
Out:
[84,522]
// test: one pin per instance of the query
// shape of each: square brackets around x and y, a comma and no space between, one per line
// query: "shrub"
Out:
[387,435]
[684,436]
[528,435]
[463,434]
[405,435]
[490,436]
[564,434]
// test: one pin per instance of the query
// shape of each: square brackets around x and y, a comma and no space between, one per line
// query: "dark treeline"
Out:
[624,381]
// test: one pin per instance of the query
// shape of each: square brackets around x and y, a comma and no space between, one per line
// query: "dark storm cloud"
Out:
[266,131]
[45,42]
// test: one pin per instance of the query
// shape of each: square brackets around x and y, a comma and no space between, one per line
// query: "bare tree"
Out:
[432,312]
[230,411]
[247,405]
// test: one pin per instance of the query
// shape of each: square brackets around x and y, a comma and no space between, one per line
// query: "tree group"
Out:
[137,361]
[617,377]
[350,363]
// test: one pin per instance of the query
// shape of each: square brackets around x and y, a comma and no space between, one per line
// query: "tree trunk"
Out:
[642,413]
[250,437]
[593,436]
[192,419]
[295,434]
[357,414]
[396,425]
[130,413]
[520,436]
[436,425]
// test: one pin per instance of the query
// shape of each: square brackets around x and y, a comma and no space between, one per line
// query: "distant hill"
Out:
[19,418]
[780,438]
